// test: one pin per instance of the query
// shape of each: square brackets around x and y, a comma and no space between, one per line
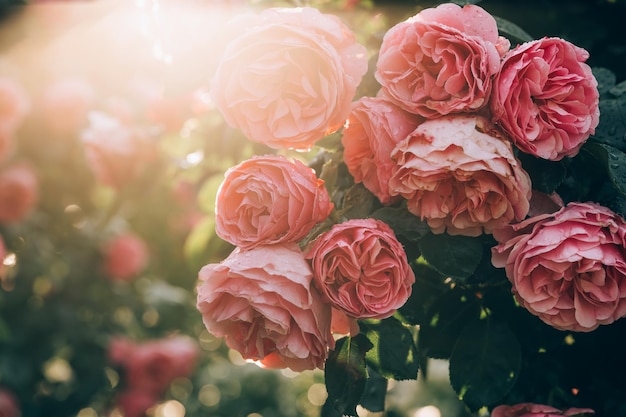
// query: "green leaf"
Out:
[357,202]
[375,392]
[512,31]
[454,256]
[612,127]
[394,354]
[402,221]
[545,175]
[345,373]
[485,363]
[606,79]
[427,288]
[614,160]
[208,193]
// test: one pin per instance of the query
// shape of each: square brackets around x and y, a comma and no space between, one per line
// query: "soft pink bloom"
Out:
[361,268]
[263,303]
[14,104]
[546,98]
[65,105]
[567,267]
[117,153]
[460,175]
[537,410]
[441,60]
[9,406]
[19,192]
[269,199]
[289,78]
[135,402]
[169,112]
[374,127]
[125,257]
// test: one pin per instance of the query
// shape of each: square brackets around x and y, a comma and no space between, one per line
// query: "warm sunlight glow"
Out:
[428,411]
[170,409]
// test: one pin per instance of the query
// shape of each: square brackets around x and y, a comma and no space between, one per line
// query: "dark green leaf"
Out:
[485,363]
[454,256]
[357,202]
[427,288]
[619,89]
[605,77]
[345,373]
[612,127]
[545,175]
[512,31]
[402,222]
[375,392]
[615,161]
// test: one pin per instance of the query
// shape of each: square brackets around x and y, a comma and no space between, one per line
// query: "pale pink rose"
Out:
[263,303]
[568,268]
[441,60]
[361,268]
[9,405]
[460,175]
[118,154]
[537,410]
[125,257]
[546,98]
[289,78]
[65,105]
[341,323]
[269,199]
[14,104]
[135,402]
[19,192]
[374,127]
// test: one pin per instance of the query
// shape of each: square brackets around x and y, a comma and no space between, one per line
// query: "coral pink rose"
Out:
[9,406]
[441,60]
[65,105]
[125,257]
[117,153]
[568,268]
[135,402]
[361,268]
[19,192]
[269,199]
[374,127]
[289,78]
[460,175]
[263,302]
[537,410]
[546,98]
[14,104]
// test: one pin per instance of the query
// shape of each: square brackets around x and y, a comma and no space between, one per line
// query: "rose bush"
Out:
[263,303]
[125,257]
[441,60]
[546,98]
[460,175]
[537,410]
[269,199]
[568,268]
[361,268]
[19,192]
[289,78]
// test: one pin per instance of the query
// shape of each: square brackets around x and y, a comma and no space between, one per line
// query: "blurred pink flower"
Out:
[19,192]
[568,267]
[14,104]
[65,105]
[546,98]
[263,303]
[289,78]
[135,402]
[537,410]
[9,406]
[361,268]
[125,257]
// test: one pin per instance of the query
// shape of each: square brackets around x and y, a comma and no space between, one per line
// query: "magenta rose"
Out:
[361,268]
[374,127]
[269,199]
[125,257]
[567,267]
[19,192]
[263,303]
[460,175]
[537,410]
[441,60]
[546,98]
[289,78]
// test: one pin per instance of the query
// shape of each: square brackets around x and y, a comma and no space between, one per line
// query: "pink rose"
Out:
[65,105]
[536,410]
[567,267]
[361,268]
[117,153]
[546,98]
[135,402]
[262,302]
[9,406]
[125,257]
[269,199]
[461,176]
[441,60]
[374,127]
[289,78]
[14,104]
[18,192]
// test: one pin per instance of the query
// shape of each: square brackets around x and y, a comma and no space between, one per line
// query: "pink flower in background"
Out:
[460,175]
[125,257]
[374,127]
[263,303]
[269,199]
[14,104]
[19,192]
[65,105]
[537,410]
[546,98]
[117,153]
[361,268]
[441,60]
[135,402]
[9,406]
[568,268]
[289,78]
